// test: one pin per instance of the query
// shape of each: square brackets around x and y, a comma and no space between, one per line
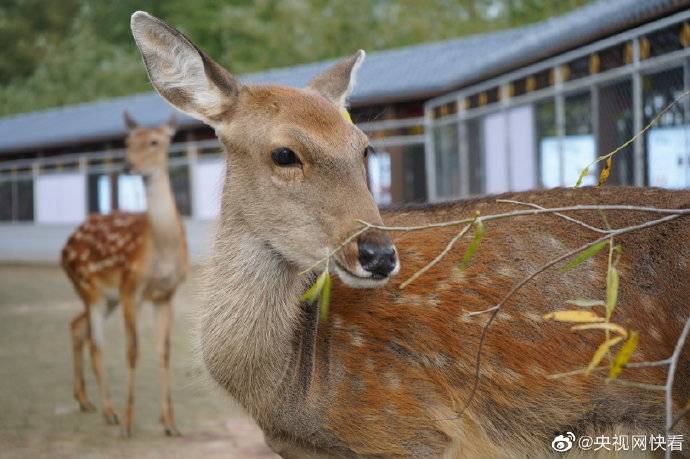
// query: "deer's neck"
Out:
[251,315]
[164,219]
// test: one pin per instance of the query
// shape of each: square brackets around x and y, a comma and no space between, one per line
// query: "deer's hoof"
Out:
[127,431]
[111,418]
[86,407]
[171,431]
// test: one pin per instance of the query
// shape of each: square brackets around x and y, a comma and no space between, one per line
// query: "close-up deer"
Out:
[126,258]
[389,372]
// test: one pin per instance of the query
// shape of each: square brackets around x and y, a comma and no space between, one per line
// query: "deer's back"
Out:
[394,368]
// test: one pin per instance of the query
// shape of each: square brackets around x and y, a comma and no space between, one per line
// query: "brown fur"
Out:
[389,372]
[130,258]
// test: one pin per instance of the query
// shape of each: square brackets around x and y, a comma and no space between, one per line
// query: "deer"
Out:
[389,372]
[127,258]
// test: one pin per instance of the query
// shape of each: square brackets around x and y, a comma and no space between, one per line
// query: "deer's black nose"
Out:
[377,258]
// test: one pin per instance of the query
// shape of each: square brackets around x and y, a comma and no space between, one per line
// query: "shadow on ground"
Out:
[38,415]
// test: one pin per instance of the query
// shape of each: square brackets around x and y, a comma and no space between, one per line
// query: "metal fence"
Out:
[541,125]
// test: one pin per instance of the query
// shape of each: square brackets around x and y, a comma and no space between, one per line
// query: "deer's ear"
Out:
[129,121]
[336,83]
[183,74]
[172,125]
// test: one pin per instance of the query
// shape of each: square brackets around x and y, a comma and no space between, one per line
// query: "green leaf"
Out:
[612,280]
[479,230]
[586,303]
[601,352]
[325,299]
[583,174]
[623,356]
[312,292]
[585,255]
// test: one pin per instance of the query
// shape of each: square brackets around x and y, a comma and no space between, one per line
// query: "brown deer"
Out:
[129,258]
[387,374]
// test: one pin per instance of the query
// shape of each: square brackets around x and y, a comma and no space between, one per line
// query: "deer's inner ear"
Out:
[337,83]
[183,74]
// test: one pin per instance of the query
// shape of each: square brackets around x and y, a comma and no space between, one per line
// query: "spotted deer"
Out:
[389,372]
[128,258]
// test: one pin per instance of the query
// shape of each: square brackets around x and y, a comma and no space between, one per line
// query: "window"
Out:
[447,161]
[667,143]
[616,128]
[397,175]
[16,197]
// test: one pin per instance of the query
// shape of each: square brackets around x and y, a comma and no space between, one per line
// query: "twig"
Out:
[681,414]
[438,257]
[337,249]
[655,363]
[670,377]
[566,217]
[624,382]
[519,213]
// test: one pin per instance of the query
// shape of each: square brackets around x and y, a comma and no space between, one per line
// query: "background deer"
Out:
[389,371]
[129,258]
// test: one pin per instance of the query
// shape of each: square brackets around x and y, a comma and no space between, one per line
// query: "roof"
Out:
[409,73]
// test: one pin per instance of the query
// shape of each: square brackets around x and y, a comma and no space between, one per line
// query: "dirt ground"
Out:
[38,415]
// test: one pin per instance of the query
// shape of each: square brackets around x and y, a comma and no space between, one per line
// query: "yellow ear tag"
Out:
[346,115]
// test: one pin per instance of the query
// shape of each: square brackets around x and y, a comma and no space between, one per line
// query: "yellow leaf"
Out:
[623,356]
[606,171]
[346,115]
[602,326]
[576,316]
[601,352]
[612,280]
[586,303]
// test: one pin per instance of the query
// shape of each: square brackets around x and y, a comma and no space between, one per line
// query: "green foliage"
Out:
[320,290]
[584,255]
[57,53]
[479,230]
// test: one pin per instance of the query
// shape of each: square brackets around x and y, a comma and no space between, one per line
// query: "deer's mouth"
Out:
[359,278]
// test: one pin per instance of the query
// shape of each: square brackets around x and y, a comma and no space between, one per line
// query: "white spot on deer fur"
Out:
[654,333]
[392,379]
[71,254]
[356,339]
[533,316]
[647,304]
[84,255]
[505,271]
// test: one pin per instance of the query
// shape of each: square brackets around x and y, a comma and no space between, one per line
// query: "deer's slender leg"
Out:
[79,331]
[129,310]
[98,315]
[163,323]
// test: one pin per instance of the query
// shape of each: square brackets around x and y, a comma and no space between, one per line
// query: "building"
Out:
[510,110]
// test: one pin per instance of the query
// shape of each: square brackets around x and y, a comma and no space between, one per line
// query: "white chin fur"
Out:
[363,278]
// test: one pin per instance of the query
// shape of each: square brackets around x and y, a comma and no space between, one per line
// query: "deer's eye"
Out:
[285,157]
[368,150]
[153,143]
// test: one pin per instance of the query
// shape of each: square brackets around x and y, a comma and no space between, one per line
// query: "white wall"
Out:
[209,174]
[60,198]
[496,153]
[523,172]
[509,150]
